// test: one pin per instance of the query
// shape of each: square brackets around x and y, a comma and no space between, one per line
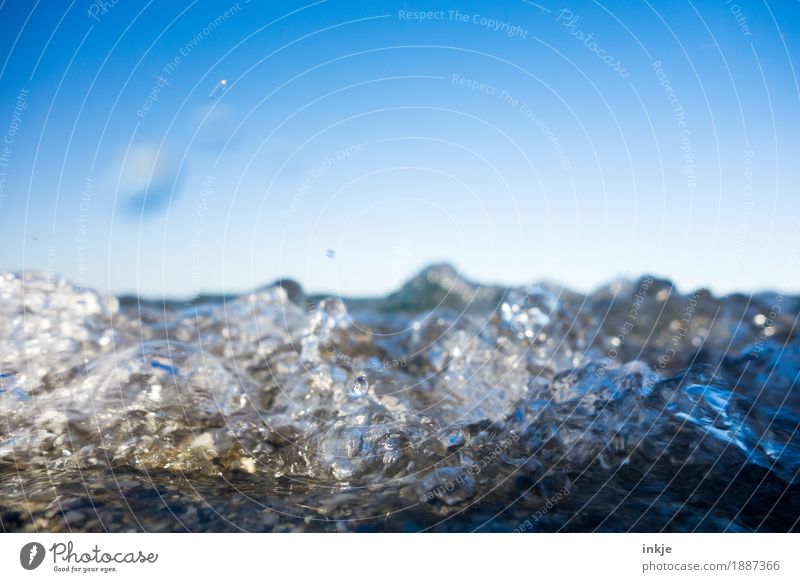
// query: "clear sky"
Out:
[168,148]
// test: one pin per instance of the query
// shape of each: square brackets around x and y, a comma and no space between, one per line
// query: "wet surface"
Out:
[446,406]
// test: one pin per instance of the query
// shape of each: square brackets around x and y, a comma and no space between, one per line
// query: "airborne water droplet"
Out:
[218,88]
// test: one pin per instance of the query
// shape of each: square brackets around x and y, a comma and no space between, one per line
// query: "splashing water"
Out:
[445,406]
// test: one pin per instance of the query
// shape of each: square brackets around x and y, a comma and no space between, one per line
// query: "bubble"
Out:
[448,485]
[360,385]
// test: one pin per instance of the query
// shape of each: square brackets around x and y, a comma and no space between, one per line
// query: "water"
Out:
[445,406]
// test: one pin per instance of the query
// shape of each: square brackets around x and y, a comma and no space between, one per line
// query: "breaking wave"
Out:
[446,406]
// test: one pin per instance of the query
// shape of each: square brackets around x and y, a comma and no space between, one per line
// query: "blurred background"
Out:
[169,149]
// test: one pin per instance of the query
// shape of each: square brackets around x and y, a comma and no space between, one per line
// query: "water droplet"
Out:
[361,385]
[329,314]
[330,253]
[453,438]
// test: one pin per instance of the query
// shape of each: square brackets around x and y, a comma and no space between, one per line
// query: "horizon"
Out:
[317,293]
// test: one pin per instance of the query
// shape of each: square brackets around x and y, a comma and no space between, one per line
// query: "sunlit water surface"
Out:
[446,406]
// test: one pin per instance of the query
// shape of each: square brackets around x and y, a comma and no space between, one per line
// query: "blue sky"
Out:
[169,148]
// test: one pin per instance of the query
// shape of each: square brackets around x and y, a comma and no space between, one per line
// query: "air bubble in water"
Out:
[361,385]
[454,438]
